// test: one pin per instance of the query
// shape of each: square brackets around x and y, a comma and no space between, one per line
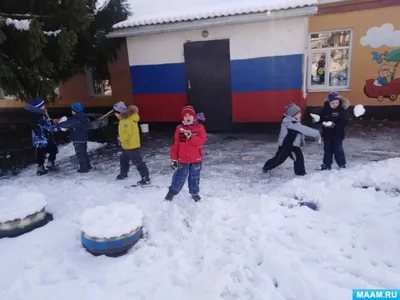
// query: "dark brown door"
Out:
[208,75]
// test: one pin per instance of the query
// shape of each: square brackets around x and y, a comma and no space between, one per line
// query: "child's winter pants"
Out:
[282,154]
[83,157]
[50,149]
[180,175]
[334,147]
[136,158]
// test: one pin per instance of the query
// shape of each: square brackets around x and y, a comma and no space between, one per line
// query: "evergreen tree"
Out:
[46,42]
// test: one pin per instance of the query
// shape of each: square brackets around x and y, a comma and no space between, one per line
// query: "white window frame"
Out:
[90,85]
[327,52]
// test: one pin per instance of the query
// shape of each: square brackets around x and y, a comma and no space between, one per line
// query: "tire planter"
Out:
[31,208]
[112,247]
[111,230]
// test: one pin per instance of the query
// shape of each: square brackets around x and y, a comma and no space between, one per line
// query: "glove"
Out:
[315,118]
[187,133]
[174,164]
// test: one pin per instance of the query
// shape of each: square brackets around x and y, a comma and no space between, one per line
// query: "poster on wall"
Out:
[386,83]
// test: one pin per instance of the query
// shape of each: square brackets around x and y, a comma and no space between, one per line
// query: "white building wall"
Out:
[261,39]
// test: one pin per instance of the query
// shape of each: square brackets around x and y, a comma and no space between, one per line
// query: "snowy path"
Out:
[246,240]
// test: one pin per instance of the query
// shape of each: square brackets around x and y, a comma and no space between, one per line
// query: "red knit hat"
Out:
[188,109]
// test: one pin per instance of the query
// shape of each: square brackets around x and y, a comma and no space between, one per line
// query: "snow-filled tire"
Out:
[17,227]
[112,247]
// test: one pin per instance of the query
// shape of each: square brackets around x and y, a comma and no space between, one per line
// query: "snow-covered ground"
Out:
[247,238]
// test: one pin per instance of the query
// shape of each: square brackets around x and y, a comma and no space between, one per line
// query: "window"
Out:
[329,60]
[97,87]
[6,96]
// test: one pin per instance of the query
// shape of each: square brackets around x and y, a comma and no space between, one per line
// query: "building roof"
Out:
[157,12]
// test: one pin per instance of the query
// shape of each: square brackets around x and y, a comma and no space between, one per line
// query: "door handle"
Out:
[189,85]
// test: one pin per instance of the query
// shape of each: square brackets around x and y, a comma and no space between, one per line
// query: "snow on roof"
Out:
[154,12]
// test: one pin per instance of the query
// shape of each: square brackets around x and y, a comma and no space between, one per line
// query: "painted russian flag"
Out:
[266,70]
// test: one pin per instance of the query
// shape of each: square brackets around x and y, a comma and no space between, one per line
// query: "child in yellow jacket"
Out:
[129,137]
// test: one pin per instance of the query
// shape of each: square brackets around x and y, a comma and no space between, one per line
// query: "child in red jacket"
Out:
[187,154]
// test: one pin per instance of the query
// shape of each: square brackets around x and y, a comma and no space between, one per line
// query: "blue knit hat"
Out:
[333,96]
[77,107]
[38,102]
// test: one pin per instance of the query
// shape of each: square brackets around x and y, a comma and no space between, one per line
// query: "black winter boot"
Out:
[196,198]
[122,176]
[144,181]
[325,168]
[342,167]
[51,166]
[41,171]
[169,197]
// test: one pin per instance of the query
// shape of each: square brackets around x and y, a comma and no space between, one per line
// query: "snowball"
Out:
[112,220]
[23,205]
[359,110]
[327,124]
[315,117]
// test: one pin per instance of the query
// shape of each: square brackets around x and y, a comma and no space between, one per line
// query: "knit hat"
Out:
[119,107]
[292,109]
[333,96]
[37,102]
[77,107]
[188,109]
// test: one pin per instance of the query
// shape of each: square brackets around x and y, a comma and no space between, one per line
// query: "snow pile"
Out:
[151,12]
[21,205]
[241,242]
[344,188]
[359,110]
[111,220]
[21,25]
[68,150]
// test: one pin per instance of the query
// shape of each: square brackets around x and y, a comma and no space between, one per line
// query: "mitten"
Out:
[315,118]
[187,133]
[174,164]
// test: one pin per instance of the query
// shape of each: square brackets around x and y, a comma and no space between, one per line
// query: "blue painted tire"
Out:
[17,227]
[113,247]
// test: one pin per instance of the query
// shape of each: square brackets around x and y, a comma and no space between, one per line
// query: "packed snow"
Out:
[18,205]
[111,220]
[247,238]
[149,12]
[68,150]
[359,110]
[21,25]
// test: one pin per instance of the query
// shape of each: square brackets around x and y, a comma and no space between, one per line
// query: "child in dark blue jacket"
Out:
[334,119]
[78,126]
[42,141]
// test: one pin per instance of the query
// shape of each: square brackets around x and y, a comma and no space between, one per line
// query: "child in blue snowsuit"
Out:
[78,126]
[42,140]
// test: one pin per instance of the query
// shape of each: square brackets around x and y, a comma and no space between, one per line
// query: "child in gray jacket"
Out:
[291,139]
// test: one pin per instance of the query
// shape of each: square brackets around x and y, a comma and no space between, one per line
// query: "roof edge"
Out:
[214,22]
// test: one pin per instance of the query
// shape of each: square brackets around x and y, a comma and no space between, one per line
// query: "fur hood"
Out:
[344,102]
[132,109]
